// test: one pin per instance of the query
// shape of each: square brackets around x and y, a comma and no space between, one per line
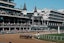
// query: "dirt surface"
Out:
[14,38]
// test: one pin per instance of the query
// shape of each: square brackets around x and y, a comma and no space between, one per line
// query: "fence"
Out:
[51,37]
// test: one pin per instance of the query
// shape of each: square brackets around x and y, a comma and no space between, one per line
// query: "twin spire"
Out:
[35,10]
[25,8]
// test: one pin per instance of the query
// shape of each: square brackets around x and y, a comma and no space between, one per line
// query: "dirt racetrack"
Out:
[14,38]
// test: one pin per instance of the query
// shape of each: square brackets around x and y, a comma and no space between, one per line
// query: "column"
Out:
[32,21]
[42,22]
[47,22]
[3,23]
[9,29]
[29,28]
[3,29]
[29,22]
[58,29]
[9,22]
[19,28]
[14,20]
[15,28]
[23,28]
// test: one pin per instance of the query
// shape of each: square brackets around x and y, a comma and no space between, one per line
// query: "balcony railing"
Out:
[38,26]
[57,14]
[55,24]
[14,24]
[10,13]
[11,1]
[7,2]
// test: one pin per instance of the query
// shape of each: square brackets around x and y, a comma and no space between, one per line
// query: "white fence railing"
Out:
[52,37]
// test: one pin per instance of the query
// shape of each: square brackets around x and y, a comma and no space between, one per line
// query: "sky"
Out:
[40,4]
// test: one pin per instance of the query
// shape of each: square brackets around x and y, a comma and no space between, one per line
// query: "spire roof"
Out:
[35,10]
[24,8]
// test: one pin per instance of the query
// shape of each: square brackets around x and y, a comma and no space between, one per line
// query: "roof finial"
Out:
[24,8]
[35,10]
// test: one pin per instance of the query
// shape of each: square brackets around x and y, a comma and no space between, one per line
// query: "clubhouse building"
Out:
[20,20]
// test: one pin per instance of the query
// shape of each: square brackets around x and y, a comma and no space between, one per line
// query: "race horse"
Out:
[26,36]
